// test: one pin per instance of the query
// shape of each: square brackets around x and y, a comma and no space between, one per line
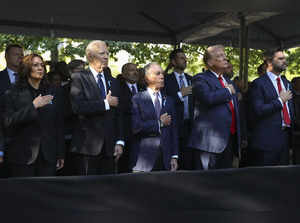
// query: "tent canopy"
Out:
[154,21]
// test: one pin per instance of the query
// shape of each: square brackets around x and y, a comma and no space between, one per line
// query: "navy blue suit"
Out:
[150,139]
[268,134]
[212,115]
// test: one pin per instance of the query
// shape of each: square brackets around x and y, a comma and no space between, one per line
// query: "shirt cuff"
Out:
[120,142]
[175,157]
[180,96]
[107,107]
[281,102]
[1,153]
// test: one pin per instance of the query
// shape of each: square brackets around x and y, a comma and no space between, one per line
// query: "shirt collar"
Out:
[152,93]
[217,75]
[10,71]
[177,74]
[130,85]
[95,73]
[273,76]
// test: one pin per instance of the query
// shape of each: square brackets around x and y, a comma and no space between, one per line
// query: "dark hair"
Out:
[9,46]
[269,54]
[174,53]
[262,68]
[126,66]
[25,69]
[74,64]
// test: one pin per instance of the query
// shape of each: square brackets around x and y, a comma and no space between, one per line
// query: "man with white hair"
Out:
[97,136]
[154,125]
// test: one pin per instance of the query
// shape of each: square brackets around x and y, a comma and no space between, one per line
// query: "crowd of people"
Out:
[79,120]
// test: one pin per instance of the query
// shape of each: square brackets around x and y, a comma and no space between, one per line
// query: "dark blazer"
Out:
[267,130]
[94,125]
[4,85]
[33,130]
[4,81]
[212,115]
[125,105]
[150,137]
[171,89]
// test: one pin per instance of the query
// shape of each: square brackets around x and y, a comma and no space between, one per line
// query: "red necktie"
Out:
[233,124]
[286,117]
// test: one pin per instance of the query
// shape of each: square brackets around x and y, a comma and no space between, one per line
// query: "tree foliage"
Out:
[141,53]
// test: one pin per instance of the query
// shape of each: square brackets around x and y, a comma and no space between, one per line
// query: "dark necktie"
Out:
[233,122]
[186,106]
[101,85]
[285,114]
[157,105]
[181,82]
[16,76]
[133,90]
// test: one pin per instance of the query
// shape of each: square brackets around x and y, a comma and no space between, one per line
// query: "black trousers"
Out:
[186,155]
[39,168]
[84,165]
[159,162]
[123,163]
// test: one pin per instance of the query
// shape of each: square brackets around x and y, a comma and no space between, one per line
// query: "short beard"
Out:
[278,69]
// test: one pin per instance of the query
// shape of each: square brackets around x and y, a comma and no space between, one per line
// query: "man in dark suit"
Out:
[216,128]
[178,85]
[97,135]
[128,87]
[270,99]
[13,56]
[154,125]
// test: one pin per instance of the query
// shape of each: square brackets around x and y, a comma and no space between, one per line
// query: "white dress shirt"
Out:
[132,85]
[11,75]
[95,74]
[273,77]
[153,97]
[107,107]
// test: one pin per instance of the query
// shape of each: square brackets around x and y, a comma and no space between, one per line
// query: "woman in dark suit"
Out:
[33,120]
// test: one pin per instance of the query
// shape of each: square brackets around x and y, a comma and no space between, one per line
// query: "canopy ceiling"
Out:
[154,21]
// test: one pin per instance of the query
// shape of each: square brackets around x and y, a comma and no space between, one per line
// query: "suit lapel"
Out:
[290,102]
[148,103]
[174,81]
[108,81]
[270,85]
[93,82]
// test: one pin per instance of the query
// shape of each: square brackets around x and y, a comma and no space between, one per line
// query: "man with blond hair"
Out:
[216,129]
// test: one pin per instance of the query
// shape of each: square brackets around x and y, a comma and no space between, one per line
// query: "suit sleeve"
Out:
[60,125]
[140,126]
[260,107]
[118,115]
[80,104]
[13,118]
[203,92]
[174,131]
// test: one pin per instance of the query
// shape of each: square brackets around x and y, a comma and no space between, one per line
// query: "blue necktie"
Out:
[186,105]
[133,90]
[181,82]
[16,76]
[101,85]
[157,105]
